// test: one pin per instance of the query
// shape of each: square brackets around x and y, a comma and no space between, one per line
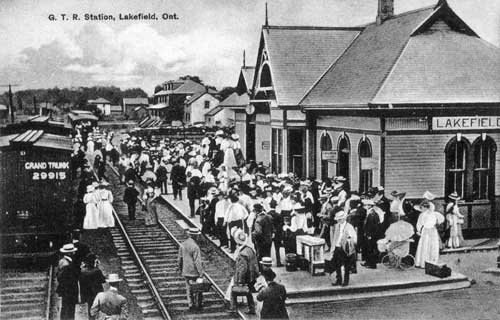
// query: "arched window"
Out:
[265,76]
[325,144]
[456,166]
[344,150]
[365,172]
[483,168]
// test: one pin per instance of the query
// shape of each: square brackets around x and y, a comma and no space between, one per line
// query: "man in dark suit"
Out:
[273,298]
[263,232]
[178,177]
[91,280]
[82,249]
[67,277]
[130,198]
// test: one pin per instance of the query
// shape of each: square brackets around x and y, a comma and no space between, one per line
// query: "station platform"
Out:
[302,287]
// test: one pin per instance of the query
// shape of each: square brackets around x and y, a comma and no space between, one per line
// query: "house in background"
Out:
[101,104]
[174,92]
[135,108]
[116,110]
[219,116]
[197,105]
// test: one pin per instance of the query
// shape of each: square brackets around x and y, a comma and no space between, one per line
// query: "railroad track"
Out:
[149,259]
[26,294]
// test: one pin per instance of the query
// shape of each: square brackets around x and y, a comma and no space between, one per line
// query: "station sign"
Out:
[330,155]
[465,123]
[369,163]
[266,145]
[47,170]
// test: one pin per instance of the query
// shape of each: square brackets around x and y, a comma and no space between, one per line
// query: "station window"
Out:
[325,145]
[456,166]
[265,76]
[207,104]
[277,150]
[344,150]
[470,168]
[365,174]
[483,168]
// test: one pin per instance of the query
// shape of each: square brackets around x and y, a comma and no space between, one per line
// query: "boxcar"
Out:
[36,199]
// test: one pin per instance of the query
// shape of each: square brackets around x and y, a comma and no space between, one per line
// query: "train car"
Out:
[81,117]
[36,197]
[38,123]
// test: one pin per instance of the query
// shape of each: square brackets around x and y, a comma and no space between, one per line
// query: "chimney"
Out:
[385,10]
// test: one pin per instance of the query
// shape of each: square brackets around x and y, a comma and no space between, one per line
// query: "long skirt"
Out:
[428,247]
[106,219]
[91,220]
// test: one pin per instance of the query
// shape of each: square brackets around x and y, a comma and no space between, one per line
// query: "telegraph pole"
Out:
[11,104]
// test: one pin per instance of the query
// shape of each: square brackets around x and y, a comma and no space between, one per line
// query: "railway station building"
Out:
[410,101]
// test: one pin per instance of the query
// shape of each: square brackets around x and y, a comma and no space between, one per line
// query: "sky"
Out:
[206,40]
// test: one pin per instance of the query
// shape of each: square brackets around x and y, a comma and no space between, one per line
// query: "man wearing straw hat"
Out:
[67,277]
[191,267]
[110,303]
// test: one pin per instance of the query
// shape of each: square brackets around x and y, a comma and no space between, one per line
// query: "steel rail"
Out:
[218,290]
[49,293]
[152,287]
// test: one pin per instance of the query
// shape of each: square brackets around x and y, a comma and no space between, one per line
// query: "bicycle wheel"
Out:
[407,262]
[389,261]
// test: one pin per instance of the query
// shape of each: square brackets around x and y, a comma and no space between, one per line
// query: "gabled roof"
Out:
[196,96]
[162,92]
[135,101]
[236,101]
[355,78]
[298,56]
[428,55]
[248,73]
[444,67]
[214,111]
[190,87]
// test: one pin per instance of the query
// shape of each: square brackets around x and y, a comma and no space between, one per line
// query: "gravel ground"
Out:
[478,302]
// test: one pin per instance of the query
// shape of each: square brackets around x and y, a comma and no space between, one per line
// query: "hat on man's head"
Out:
[428,196]
[340,215]
[194,231]
[130,182]
[266,261]
[113,278]
[235,136]
[454,196]
[240,237]
[68,248]
[340,179]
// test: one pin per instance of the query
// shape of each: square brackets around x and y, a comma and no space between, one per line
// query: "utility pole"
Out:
[11,104]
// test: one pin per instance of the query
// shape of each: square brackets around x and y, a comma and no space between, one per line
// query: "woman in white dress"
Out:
[91,220]
[455,220]
[428,245]
[106,219]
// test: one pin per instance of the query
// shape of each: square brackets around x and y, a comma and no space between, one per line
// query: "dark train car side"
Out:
[36,193]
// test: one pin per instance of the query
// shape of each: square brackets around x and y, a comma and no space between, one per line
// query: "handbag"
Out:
[240,289]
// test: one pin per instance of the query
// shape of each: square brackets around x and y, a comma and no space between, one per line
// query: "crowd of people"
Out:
[237,197]
[80,281]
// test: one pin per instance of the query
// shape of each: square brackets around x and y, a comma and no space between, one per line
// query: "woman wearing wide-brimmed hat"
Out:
[105,198]
[455,220]
[91,220]
[428,245]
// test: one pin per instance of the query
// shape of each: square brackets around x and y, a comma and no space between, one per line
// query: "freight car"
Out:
[38,123]
[36,198]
